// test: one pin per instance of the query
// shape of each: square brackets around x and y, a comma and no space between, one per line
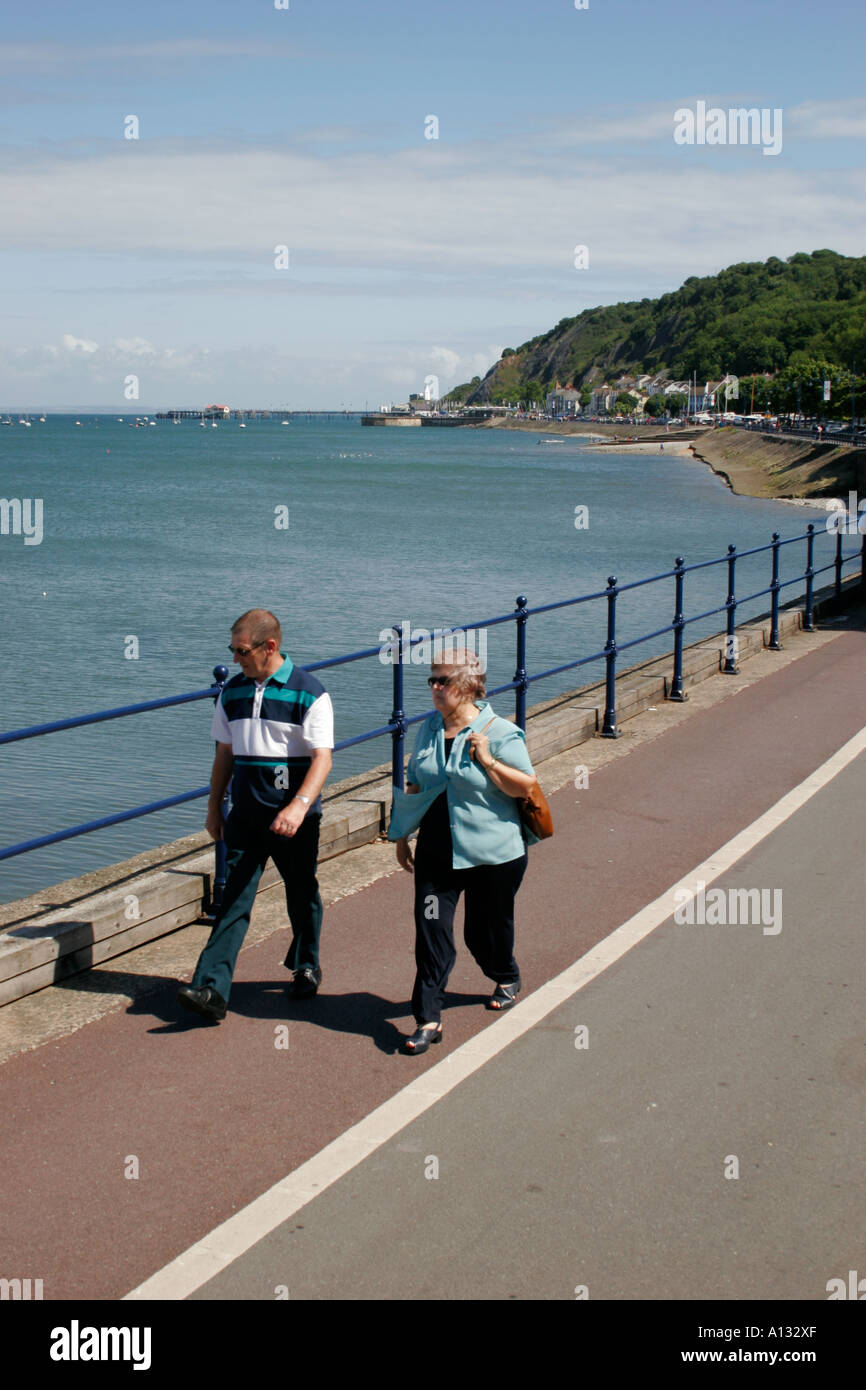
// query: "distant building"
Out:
[223,410]
[563,401]
[603,398]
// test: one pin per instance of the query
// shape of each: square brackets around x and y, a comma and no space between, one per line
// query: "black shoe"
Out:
[421,1040]
[305,983]
[203,1001]
[504,997]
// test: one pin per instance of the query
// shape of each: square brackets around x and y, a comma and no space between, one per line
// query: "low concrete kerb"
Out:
[84,921]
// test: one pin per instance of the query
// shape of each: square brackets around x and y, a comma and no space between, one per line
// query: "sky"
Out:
[325,203]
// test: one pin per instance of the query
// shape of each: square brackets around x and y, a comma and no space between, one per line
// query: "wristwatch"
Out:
[305,799]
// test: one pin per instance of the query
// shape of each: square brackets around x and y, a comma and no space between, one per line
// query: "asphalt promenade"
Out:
[594,1154]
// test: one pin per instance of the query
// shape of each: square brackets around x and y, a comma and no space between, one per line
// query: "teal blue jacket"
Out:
[485,822]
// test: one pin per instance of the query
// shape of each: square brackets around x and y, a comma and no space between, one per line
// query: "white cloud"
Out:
[79,344]
[172,244]
[138,347]
[828,120]
[434,216]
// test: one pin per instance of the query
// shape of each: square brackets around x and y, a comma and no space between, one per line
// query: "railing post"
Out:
[839,563]
[730,667]
[220,675]
[808,620]
[398,717]
[520,669]
[608,728]
[774,644]
[676,691]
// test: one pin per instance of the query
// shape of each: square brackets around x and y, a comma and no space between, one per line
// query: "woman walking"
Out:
[467,768]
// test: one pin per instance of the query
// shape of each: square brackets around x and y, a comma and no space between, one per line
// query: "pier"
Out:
[475,415]
[257,414]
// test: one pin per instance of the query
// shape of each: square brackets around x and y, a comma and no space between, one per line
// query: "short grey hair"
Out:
[259,624]
[469,676]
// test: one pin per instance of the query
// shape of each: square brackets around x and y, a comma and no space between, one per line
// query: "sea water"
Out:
[154,539]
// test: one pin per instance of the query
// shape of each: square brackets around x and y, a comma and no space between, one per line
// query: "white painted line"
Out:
[208,1257]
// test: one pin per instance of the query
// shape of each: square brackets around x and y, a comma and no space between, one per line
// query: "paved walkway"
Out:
[558,1166]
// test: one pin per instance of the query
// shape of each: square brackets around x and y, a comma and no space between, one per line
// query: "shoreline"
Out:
[801,473]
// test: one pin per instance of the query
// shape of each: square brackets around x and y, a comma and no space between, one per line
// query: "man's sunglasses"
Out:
[245,651]
[439,680]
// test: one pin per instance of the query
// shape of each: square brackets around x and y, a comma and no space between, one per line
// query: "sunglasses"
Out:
[244,651]
[439,680]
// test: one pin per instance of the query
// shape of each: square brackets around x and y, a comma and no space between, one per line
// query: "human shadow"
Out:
[360,1012]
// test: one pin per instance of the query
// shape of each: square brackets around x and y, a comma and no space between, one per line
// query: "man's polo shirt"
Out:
[273,729]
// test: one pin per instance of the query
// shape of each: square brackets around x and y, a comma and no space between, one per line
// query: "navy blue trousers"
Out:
[248,849]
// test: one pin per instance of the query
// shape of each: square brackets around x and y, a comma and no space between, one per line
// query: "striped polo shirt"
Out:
[273,728]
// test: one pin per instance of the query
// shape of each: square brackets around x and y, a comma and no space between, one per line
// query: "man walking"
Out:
[274,728]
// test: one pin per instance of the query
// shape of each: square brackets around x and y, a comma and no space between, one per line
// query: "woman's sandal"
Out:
[504,997]
[421,1040]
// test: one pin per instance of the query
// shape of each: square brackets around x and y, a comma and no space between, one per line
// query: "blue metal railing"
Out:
[399,722]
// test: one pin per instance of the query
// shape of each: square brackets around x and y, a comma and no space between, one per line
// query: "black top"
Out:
[434,832]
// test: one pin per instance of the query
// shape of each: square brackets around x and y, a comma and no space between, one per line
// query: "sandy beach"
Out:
[675,446]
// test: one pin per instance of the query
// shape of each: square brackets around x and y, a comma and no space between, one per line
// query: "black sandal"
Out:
[421,1040]
[504,997]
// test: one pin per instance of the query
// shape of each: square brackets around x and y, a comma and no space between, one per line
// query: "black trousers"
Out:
[249,845]
[488,928]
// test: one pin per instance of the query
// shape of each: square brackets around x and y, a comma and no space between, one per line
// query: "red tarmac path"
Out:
[216,1115]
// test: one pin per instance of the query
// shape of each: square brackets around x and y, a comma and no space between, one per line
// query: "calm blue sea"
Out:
[165,534]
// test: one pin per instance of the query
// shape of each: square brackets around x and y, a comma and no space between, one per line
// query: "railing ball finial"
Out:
[221,674]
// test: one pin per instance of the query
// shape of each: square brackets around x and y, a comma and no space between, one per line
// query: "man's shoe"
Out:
[305,983]
[203,1001]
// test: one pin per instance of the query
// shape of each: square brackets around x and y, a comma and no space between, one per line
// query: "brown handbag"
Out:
[534,811]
